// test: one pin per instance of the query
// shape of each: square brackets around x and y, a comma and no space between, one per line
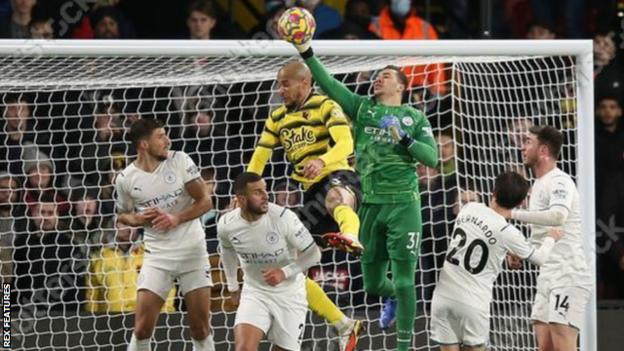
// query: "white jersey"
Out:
[164,188]
[567,265]
[270,242]
[481,240]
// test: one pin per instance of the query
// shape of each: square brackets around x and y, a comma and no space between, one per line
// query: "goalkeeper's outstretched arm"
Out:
[348,100]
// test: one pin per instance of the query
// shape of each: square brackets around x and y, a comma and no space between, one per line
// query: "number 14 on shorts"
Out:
[561,303]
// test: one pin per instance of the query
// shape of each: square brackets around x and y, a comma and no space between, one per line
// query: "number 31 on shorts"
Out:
[413,242]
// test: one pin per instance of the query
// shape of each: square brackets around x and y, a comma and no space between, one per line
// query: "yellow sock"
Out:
[347,220]
[320,304]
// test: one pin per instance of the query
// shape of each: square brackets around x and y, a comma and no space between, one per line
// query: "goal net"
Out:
[67,107]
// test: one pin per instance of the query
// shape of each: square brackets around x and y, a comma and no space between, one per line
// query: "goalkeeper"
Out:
[317,140]
[390,139]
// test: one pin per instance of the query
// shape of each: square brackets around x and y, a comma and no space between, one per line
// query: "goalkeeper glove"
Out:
[393,126]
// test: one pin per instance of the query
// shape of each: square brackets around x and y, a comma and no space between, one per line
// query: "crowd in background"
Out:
[58,161]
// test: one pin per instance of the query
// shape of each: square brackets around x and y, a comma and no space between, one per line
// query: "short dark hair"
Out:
[510,189]
[240,184]
[142,129]
[207,7]
[549,136]
[400,74]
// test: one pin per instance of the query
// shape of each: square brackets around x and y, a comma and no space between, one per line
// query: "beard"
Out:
[256,209]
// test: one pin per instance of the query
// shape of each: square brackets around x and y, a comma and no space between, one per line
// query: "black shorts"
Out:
[314,214]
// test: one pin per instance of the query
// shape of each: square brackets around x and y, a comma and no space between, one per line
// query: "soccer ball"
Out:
[296,25]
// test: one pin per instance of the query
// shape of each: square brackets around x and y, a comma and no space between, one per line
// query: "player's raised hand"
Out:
[313,168]
[164,221]
[513,261]
[273,276]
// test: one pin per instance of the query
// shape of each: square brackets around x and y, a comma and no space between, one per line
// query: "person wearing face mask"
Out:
[398,20]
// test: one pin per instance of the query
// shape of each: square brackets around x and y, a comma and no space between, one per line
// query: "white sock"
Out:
[343,324]
[204,345]
[139,345]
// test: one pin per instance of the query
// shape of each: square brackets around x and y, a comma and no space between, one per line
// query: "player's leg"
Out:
[564,337]
[195,284]
[540,315]
[468,348]
[198,304]
[403,246]
[247,337]
[567,310]
[341,202]
[542,334]
[145,316]
[288,320]
[449,348]
[153,286]
[443,326]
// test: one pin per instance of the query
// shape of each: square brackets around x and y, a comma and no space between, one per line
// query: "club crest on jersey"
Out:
[272,238]
[170,178]
[408,121]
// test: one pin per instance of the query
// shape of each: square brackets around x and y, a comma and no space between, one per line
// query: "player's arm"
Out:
[299,237]
[349,100]
[422,145]
[229,261]
[517,244]
[561,195]
[269,139]
[338,126]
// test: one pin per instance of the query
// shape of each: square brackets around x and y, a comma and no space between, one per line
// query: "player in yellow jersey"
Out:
[317,139]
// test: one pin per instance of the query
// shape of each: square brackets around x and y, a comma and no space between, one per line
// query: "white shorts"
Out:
[158,275]
[455,323]
[280,316]
[562,305]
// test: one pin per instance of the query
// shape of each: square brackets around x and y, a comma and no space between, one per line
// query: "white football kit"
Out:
[179,253]
[564,282]
[461,301]
[270,242]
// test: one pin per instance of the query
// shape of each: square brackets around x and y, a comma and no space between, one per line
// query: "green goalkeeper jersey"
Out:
[387,169]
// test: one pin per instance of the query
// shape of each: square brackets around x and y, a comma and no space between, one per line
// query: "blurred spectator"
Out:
[49,270]
[465,196]
[607,67]
[287,194]
[609,150]
[113,274]
[19,139]
[87,225]
[10,212]
[356,25]
[209,218]
[572,13]
[41,28]
[610,197]
[437,219]
[446,145]
[326,17]
[203,22]
[40,183]
[267,29]
[16,26]
[98,138]
[105,22]
[538,31]
[399,21]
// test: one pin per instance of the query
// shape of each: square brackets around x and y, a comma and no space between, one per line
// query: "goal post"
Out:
[491,84]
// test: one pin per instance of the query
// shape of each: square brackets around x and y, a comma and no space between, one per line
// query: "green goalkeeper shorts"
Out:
[390,231]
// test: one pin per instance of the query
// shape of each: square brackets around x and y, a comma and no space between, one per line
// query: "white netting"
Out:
[73,113]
